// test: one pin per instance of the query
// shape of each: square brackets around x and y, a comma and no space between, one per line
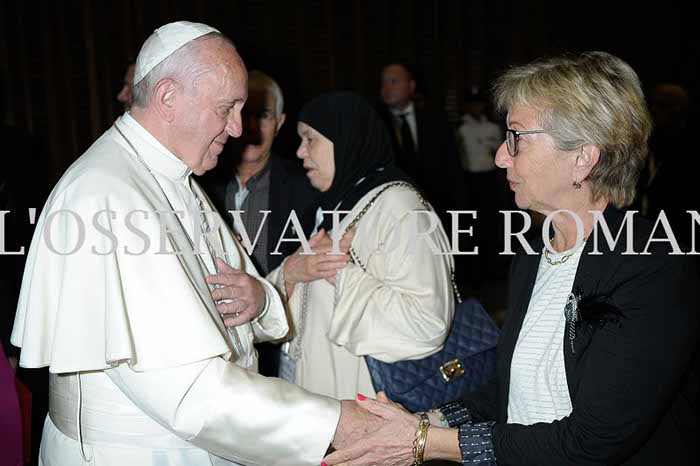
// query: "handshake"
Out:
[379,431]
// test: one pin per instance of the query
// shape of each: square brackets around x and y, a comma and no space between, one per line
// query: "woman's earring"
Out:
[576,185]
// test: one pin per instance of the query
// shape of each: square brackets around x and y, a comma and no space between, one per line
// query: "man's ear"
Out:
[280,121]
[164,97]
[586,160]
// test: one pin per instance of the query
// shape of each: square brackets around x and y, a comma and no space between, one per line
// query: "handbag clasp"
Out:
[451,370]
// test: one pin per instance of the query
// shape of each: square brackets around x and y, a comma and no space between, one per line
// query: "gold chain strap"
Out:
[355,259]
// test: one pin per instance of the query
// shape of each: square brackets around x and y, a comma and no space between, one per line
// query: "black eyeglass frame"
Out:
[513,151]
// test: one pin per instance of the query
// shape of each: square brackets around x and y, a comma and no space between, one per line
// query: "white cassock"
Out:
[143,370]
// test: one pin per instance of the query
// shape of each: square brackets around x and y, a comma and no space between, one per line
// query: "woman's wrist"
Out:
[437,418]
[287,282]
[443,443]
[288,273]
[420,442]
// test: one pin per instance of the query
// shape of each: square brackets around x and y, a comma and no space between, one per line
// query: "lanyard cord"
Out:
[231,330]
[77,420]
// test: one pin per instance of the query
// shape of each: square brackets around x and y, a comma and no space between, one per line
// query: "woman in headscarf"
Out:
[388,294]
[602,325]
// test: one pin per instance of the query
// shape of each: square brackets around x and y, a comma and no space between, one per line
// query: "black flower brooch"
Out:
[589,312]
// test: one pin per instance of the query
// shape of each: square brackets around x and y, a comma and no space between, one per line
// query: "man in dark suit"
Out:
[423,139]
[425,148]
[252,179]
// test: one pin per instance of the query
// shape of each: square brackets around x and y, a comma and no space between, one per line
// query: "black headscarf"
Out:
[361,146]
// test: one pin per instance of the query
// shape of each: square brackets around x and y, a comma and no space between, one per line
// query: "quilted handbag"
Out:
[467,361]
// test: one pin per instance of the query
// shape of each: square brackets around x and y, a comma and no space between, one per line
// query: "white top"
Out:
[538,388]
[478,141]
[400,308]
[143,330]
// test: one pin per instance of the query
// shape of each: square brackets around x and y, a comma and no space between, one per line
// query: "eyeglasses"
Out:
[512,137]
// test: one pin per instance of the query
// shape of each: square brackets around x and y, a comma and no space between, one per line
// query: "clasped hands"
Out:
[239,297]
[373,432]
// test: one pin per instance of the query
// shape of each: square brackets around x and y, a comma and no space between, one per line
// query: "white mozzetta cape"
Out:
[89,311]
[124,306]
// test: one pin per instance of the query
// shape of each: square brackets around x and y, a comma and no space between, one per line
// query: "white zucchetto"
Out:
[164,42]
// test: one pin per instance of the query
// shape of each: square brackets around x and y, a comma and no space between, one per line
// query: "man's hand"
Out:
[354,424]
[389,445]
[239,297]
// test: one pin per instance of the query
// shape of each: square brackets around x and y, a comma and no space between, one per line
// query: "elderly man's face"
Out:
[209,110]
[397,87]
[260,125]
[126,94]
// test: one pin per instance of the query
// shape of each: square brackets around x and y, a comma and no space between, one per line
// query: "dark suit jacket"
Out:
[289,190]
[626,376]
[439,173]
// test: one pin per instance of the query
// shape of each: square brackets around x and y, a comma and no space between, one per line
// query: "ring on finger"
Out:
[239,307]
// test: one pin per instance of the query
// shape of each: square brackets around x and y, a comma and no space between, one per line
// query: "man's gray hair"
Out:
[181,66]
[259,80]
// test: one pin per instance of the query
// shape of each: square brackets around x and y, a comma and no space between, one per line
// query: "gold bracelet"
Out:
[421,439]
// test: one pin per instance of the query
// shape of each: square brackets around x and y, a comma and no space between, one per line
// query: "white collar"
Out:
[408,110]
[151,150]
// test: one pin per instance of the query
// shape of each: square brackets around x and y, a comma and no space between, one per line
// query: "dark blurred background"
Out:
[62,62]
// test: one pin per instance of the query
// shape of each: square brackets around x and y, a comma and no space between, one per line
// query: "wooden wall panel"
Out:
[62,62]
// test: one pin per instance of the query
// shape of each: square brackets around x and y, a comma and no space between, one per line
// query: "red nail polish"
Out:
[323,463]
[361,397]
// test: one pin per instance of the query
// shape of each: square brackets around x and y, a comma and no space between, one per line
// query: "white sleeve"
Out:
[402,305]
[234,413]
[272,323]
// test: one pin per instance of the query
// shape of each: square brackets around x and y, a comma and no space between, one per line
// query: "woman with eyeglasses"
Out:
[594,359]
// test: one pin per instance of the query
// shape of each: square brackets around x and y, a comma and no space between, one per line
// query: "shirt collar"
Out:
[254,180]
[408,110]
[156,156]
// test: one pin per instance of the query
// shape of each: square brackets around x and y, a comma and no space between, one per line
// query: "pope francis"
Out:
[117,293]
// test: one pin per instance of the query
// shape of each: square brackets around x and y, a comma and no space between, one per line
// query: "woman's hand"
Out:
[390,445]
[345,243]
[322,264]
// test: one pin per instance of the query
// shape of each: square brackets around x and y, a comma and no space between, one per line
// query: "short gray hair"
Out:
[259,80]
[180,65]
[589,98]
